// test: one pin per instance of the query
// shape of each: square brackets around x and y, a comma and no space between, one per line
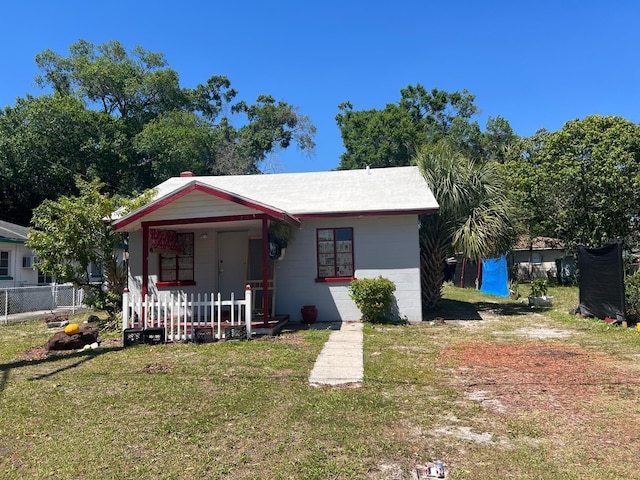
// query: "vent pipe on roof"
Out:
[187,174]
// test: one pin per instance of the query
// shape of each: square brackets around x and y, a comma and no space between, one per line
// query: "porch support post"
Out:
[265,270]
[145,259]
[125,309]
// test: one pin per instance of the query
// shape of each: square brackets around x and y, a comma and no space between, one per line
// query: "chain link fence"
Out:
[16,302]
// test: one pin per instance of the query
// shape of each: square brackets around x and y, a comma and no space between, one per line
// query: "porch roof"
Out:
[294,196]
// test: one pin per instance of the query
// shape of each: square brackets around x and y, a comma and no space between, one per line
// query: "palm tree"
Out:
[475,215]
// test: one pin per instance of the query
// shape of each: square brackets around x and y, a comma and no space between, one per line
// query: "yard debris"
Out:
[430,470]
[63,341]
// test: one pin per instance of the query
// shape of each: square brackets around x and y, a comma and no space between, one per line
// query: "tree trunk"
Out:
[434,244]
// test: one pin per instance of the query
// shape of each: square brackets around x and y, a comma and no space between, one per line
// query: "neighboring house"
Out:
[16,260]
[536,258]
[209,234]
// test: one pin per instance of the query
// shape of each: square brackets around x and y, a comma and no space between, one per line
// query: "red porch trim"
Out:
[145,260]
[196,186]
[265,270]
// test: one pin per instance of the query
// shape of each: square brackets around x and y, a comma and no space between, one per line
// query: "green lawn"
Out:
[244,410]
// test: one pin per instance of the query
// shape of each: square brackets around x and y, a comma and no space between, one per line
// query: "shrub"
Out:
[373,297]
[632,297]
[539,287]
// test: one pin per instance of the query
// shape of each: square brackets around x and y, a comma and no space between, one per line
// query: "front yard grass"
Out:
[480,387]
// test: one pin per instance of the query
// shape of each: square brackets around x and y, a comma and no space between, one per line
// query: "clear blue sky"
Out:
[535,63]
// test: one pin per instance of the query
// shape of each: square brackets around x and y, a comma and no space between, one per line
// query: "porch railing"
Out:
[180,314]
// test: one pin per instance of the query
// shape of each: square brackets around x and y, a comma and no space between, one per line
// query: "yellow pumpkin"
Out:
[72,329]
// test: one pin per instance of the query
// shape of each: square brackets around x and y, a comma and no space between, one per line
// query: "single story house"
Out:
[537,257]
[16,260]
[211,234]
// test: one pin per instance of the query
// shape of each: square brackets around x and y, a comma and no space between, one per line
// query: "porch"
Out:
[176,316]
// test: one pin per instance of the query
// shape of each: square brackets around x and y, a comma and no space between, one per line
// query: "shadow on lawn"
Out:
[81,356]
[458,310]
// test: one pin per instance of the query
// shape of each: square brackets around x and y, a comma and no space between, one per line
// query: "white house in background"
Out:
[209,234]
[536,258]
[16,260]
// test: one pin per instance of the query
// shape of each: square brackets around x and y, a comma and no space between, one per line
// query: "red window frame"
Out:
[182,270]
[335,254]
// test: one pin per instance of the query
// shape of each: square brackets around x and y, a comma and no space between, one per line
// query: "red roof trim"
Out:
[306,216]
[152,207]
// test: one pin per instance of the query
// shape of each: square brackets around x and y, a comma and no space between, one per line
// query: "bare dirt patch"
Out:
[40,352]
[566,389]
[155,367]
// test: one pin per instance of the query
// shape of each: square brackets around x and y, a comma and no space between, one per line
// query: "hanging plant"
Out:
[281,232]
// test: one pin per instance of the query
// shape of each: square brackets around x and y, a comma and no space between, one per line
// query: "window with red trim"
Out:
[335,252]
[178,267]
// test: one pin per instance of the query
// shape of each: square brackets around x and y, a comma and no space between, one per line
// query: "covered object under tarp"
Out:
[601,282]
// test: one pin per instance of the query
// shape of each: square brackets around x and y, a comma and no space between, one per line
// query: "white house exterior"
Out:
[536,258]
[16,260]
[347,224]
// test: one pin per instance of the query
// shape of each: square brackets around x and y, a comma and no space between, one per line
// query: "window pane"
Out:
[344,234]
[325,234]
[325,271]
[325,247]
[345,271]
[343,246]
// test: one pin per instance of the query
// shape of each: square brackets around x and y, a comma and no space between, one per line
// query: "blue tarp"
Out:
[494,277]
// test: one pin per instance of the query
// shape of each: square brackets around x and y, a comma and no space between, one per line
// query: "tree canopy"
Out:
[124,118]
[392,136]
[580,184]
[476,216]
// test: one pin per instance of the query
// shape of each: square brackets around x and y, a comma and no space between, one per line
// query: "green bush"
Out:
[632,297]
[373,297]
[539,287]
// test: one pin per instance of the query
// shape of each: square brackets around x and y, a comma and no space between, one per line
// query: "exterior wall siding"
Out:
[19,276]
[198,205]
[385,245]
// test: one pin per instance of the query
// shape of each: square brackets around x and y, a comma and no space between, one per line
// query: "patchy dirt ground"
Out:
[40,352]
[567,391]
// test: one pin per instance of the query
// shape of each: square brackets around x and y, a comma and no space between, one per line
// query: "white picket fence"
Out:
[179,314]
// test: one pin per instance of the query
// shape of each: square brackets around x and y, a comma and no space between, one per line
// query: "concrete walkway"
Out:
[340,361]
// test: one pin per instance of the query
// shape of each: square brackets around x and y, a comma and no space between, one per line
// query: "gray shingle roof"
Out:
[343,191]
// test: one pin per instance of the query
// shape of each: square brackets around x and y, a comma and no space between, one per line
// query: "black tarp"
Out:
[601,281]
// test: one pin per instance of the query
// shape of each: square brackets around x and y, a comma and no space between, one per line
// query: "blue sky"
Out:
[535,63]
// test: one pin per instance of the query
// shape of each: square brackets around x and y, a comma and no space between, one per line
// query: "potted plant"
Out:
[538,296]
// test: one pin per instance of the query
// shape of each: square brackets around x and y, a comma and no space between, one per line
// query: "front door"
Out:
[232,261]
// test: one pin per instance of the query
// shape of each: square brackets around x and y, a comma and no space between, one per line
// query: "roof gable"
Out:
[292,196]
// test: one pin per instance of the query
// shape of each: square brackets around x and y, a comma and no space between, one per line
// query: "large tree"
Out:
[392,136]
[581,184]
[123,117]
[44,142]
[475,217]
